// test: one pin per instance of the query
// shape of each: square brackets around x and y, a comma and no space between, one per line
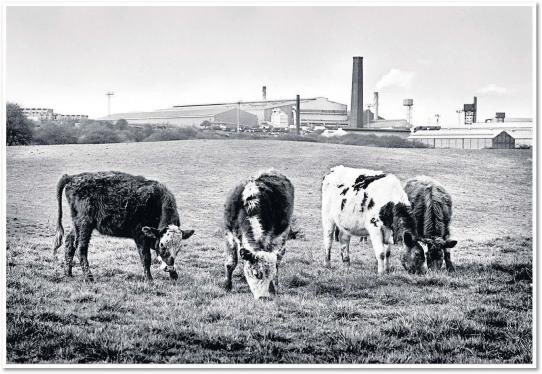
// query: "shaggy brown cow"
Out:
[432,210]
[121,205]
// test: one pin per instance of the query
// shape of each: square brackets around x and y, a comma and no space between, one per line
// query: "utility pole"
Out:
[437,116]
[298,114]
[109,94]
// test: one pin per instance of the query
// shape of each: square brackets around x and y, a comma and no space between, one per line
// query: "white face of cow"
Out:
[260,271]
[168,244]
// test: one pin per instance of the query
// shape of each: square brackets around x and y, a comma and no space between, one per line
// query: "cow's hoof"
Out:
[173,275]
[327,264]
[450,269]
[227,286]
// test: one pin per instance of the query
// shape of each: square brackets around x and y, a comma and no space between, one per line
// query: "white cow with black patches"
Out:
[360,201]
[257,219]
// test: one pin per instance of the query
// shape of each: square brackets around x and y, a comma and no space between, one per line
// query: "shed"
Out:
[504,141]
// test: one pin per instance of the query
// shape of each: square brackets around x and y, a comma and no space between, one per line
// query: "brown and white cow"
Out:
[357,201]
[257,218]
[432,211]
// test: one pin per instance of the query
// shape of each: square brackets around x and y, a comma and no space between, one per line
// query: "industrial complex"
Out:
[319,113]
[277,113]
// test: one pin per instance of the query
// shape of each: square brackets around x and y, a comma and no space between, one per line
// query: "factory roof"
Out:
[207,110]
[457,133]
[389,123]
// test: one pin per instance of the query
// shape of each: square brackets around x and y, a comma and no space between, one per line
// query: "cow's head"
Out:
[413,259]
[167,243]
[260,271]
[436,247]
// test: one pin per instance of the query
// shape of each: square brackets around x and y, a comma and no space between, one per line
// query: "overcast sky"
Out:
[66,58]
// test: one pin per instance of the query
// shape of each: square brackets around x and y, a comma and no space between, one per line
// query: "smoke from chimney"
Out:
[356,99]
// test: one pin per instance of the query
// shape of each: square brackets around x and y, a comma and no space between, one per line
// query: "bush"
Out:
[99,136]
[373,140]
[18,127]
[172,134]
[121,124]
[51,133]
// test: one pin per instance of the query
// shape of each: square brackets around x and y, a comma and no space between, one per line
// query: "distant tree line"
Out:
[22,131]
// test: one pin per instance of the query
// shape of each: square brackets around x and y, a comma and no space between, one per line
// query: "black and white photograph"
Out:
[269,185]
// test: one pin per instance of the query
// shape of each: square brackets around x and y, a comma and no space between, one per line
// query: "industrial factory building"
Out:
[498,132]
[189,116]
[478,136]
[276,113]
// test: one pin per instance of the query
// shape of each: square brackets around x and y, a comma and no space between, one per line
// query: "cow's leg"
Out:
[387,239]
[364,235]
[448,260]
[273,288]
[380,248]
[84,233]
[328,228]
[344,240]
[69,251]
[231,259]
[144,251]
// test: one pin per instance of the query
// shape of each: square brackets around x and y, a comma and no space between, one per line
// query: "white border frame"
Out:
[3,16]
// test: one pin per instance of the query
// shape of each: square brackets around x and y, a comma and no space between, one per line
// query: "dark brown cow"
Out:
[121,205]
[432,210]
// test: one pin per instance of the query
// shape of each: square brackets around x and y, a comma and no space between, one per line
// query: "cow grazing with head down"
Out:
[432,210]
[257,218]
[121,205]
[357,201]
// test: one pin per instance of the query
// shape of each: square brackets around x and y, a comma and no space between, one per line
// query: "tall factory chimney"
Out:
[264,93]
[376,107]
[356,100]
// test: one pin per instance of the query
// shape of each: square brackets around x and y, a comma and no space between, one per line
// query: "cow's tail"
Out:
[251,197]
[59,229]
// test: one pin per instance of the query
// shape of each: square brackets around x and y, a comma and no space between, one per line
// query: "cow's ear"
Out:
[408,239]
[187,233]
[451,243]
[247,255]
[151,232]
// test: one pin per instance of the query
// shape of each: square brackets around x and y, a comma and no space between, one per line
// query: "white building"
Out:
[39,114]
[477,136]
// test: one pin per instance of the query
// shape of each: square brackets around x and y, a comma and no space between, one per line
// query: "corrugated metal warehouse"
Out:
[478,136]
[279,113]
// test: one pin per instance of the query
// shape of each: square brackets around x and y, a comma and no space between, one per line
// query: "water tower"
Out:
[408,103]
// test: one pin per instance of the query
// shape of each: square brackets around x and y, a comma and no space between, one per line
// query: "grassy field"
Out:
[480,314]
